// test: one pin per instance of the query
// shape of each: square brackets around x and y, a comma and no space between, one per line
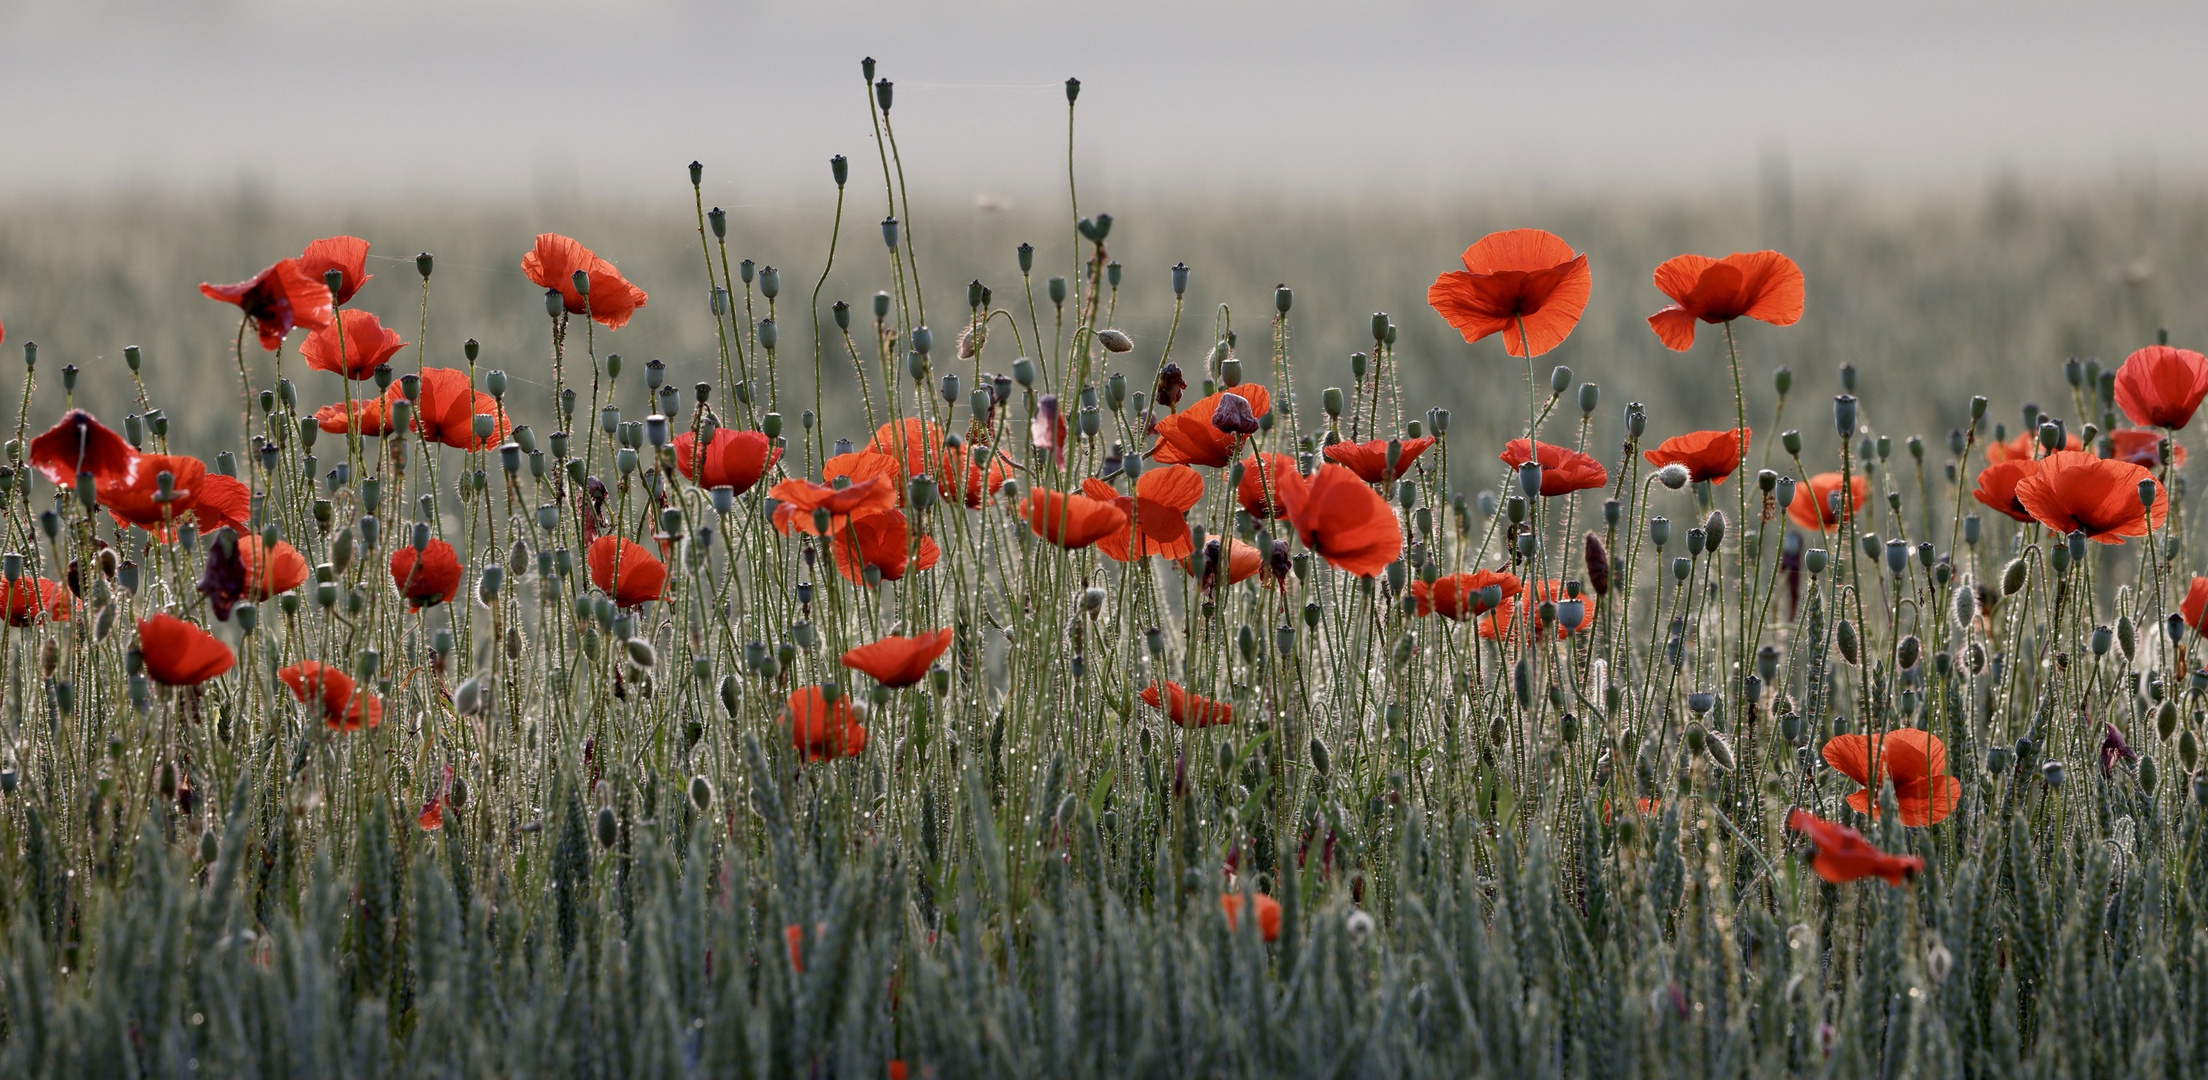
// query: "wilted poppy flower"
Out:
[369,417]
[1706,455]
[348,255]
[552,265]
[2024,447]
[1843,855]
[1072,521]
[428,577]
[1457,596]
[276,299]
[1189,437]
[1497,624]
[796,500]
[1525,283]
[210,501]
[1263,474]
[2114,747]
[1815,508]
[822,731]
[1345,521]
[1268,913]
[626,570]
[882,540]
[1369,460]
[178,653]
[28,598]
[2073,491]
[270,570]
[1189,710]
[732,459]
[1917,762]
[446,405]
[2196,601]
[2161,386]
[2143,448]
[1563,469]
[1761,285]
[79,443]
[898,661]
[1157,513]
[367,343]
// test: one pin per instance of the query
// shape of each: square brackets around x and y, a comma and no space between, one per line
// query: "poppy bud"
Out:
[1715,527]
[1673,476]
[1850,649]
[2188,752]
[1115,341]
[1589,395]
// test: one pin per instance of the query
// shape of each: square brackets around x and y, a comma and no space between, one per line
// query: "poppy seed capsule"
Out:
[1283,298]
[1589,395]
[1560,379]
[1529,478]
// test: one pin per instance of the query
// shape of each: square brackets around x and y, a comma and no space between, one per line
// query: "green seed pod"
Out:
[2165,720]
[1720,751]
[2147,774]
[728,692]
[2012,577]
[1908,652]
[701,793]
[1850,648]
[209,847]
[1522,680]
[608,828]
[2188,749]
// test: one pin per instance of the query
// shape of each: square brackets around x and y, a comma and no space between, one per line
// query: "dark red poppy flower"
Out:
[1997,487]
[1526,284]
[427,577]
[1563,469]
[209,501]
[445,408]
[898,661]
[1189,437]
[1157,513]
[2073,491]
[1843,855]
[626,570]
[369,417]
[270,570]
[882,540]
[1345,521]
[1188,710]
[822,731]
[276,299]
[348,255]
[1820,508]
[27,599]
[2143,448]
[1369,460]
[1072,521]
[552,265]
[1761,285]
[796,500]
[2161,386]
[1457,596]
[178,653]
[79,443]
[367,343]
[2196,601]
[2024,447]
[1263,475]
[1916,760]
[1706,455]
[1497,624]
[732,459]
[1268,913]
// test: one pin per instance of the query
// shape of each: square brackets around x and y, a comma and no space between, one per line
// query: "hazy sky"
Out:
[615,96]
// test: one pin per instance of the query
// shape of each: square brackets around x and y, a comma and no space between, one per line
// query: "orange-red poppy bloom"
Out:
[882,540]
[919,445]
[1194,436]
[1268,913]
[1369,460]
[276,299]
[1497,624]
[1157,513]
[898,661]
[28,598]
[446,406]
[427,577]
[2073,491]
[2161,386]
[552,265]
[866,465]
[2024,447]
[2196,601]
[1242,561]
[1263,475]
[79,443]
[1821,506]
[1526,284]
[1563,469]
[209,501]
[626,570]
[348,255]
[1187,709]
[1997,486]
[822,731]
[1706,455]
[796,500]
[1345,521]
[731,458]
[343,708]
[367,343]
[270,569]
[1457,596]
[371,418]
[2143,448]
[1761,285]
[1843,855]
[1917,762]
[1073,521]
[178,653]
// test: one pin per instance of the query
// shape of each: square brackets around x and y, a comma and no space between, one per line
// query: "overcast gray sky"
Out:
[615,96]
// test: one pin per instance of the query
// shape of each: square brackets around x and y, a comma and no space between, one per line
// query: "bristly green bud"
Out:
[1850,646]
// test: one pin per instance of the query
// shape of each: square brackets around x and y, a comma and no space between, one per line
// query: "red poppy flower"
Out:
[1345,521]
[270,570]
[276,299]
[27,598]
[1498,622]
[2073,491]
[1157,513]
[1242,561]
[1189,710]
[79,443]
[899,661]
[916,443]
[1762,285]
[428,577]
[732,459]
[2024,447]
[626,570]
[446,406]
[1815,508]
[1563,469]
[367,344]
[1189,437]
[312,680]
[1706,455]
[348,255]
[1917,762]
[2160,386]
[1456,596]
[178,653]
[552,265]
[1073,521]
[2196,601]
[370,417]
[1997,487]
[1843,855]
[1268,913]
[2143,448]
[433,809]
[209,501]
[1525,283]
[866,465]
[1263,473]
[796,500]
[1369,460]
[822,731]
[882,540]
